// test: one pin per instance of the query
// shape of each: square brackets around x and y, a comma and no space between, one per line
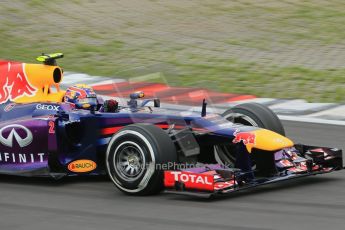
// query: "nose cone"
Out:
[266,140]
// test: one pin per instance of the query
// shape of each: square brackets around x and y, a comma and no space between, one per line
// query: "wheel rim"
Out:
[129,161]
[224,156]
[223,153]
[241,118]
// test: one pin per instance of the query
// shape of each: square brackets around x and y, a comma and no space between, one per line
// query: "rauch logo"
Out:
[80,166]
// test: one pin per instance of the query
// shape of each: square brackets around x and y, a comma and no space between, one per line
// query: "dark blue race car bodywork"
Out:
[44,139]
[206,154]
[61,134]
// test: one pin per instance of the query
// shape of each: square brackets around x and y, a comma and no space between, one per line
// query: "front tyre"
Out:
[249,114]
[136,156]
[255,114]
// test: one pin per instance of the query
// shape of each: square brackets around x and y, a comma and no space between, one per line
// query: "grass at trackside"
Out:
[193,43]
[279,82]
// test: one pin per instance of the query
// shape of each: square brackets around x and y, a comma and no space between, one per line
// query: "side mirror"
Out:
[133,103]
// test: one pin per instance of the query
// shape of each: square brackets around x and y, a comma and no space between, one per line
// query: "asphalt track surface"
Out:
[316,202]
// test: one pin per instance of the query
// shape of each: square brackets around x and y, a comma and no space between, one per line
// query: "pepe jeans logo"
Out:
[22,141]
[9,107]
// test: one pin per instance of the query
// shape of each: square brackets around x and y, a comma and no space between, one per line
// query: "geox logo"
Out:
[22,141]
[48,107]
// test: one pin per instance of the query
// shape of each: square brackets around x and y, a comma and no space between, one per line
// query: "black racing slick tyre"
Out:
[255,114]
[250,114]
[136,157]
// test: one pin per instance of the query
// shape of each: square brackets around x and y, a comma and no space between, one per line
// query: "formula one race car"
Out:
[142,147]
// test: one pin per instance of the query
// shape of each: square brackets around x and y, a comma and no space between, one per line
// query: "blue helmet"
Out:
[82,96]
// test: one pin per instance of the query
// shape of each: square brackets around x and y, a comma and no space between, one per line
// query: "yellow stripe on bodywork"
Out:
[269,141]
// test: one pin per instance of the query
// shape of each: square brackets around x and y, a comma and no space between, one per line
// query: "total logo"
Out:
[80,166]
[14,136]
[187,177]
[190,180]
[47,107]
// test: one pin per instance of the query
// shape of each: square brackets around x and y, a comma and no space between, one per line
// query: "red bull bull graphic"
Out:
[262,139]
[27,83]
[247,138]
[14,82]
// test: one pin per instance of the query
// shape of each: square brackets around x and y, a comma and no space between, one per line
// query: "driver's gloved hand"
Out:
[110,106]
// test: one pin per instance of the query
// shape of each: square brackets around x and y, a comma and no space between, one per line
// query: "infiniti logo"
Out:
[22,142]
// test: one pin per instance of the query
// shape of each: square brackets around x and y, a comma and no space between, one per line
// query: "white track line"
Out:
[311,120]
[72,78]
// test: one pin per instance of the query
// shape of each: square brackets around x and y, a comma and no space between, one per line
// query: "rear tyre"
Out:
[136,156]
[250,114]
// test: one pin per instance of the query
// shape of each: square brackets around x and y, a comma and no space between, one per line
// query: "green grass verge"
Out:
[108,39]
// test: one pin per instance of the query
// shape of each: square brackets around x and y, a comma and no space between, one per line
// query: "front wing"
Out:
[213,180]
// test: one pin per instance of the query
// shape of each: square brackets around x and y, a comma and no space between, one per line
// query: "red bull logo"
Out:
[14,82]
[245,137]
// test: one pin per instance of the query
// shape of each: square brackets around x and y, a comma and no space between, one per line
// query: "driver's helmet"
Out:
[82,96]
